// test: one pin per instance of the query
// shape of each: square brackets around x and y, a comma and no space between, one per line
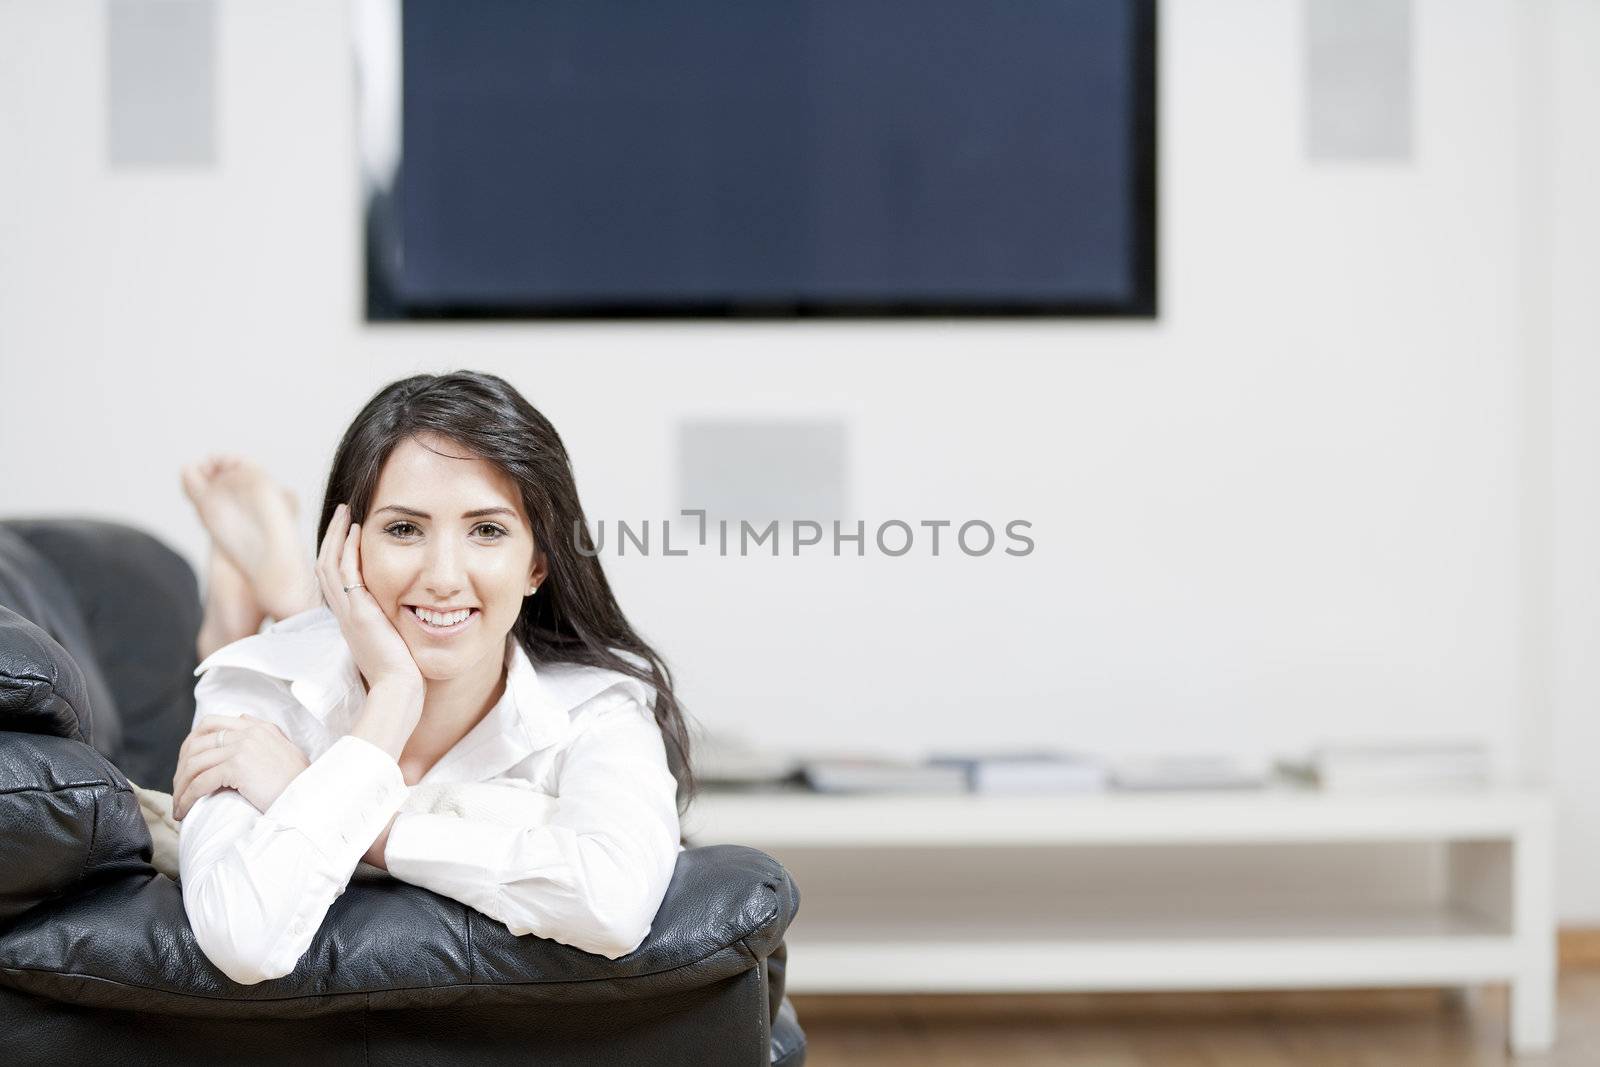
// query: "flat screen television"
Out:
[559,158]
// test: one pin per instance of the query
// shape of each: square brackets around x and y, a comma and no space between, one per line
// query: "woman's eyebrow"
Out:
[479,513]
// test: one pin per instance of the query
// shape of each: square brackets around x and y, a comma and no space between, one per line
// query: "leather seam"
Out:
[107,786]
[763,1003]
[94,832]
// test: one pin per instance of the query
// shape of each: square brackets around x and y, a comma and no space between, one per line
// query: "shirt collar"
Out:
[309,651]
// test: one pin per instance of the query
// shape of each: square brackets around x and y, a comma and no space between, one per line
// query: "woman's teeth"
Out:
[449,618]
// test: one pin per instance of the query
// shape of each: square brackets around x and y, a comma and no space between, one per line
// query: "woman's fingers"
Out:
[216,721]
[195,765]
[263,724]
[192,743]
[322,550]
[332,537]
[349,570]
[188,770]
[204,784]
[202,740]
[333,540]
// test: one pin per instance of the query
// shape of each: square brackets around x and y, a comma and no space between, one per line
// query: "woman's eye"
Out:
[484,529]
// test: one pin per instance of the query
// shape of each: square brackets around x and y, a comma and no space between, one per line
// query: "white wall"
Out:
[1314,498]
[1572,312]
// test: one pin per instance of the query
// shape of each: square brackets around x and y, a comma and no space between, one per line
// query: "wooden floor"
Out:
[1406,1028]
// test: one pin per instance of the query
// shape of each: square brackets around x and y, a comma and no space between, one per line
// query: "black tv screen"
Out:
[749,157]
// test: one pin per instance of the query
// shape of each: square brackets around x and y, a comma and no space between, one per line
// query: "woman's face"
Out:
[447,530]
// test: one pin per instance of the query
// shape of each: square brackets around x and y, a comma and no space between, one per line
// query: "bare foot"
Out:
[231,608]
[252,522]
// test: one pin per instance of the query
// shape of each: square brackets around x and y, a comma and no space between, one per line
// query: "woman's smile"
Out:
[441,631]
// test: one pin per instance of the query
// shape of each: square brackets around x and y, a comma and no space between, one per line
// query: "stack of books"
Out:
[1196,771]
[1034,771]
[730,761]
[871,774]
[1037,771]
[1397,766]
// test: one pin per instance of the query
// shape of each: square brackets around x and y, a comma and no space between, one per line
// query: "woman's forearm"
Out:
[257,885]
[375,854]
[387,719]
[390,715]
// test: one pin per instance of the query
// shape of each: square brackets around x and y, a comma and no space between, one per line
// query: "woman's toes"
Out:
[253,522]
[195,481]
[197,477]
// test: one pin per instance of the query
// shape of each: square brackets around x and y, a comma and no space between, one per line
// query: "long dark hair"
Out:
[574,618]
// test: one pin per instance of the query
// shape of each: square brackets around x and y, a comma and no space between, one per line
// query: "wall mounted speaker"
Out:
[161,83]
[1358,79]
[764,470]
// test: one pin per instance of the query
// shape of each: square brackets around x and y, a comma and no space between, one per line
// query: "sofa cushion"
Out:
[42,689]
[140,602]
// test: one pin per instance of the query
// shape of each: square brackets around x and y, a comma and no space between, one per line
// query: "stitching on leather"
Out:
[763,1000]
[63,788]
[466,914]
[94,832]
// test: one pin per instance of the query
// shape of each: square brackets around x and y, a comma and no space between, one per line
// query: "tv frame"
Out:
[378,70]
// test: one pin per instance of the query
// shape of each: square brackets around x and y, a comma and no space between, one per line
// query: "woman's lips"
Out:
[441,631]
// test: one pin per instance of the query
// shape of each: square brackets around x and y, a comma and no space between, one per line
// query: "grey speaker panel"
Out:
[1358,79]
[161,83]
[764,470]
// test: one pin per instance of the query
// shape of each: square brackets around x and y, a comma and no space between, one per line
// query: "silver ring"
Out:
[220,734]
[358,585]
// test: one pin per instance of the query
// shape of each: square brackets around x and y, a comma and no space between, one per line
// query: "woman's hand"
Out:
[237,752]
[380,652]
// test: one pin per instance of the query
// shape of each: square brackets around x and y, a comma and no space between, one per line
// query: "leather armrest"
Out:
[67,816]
[387,944]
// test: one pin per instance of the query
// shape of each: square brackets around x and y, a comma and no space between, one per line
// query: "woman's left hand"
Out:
[237,752]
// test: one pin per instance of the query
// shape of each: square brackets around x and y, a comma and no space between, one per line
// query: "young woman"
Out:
[450,693]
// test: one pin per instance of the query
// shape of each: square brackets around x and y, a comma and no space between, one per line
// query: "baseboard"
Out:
[1000,1006]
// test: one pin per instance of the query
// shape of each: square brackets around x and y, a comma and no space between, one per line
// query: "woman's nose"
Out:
[442,574]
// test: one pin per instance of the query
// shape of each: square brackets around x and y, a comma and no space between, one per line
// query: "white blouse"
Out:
[588,865]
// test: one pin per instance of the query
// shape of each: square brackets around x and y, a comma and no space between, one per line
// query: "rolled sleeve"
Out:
[591,876]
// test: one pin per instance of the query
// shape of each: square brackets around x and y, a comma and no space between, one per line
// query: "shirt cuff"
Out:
[434,850]
[343,800]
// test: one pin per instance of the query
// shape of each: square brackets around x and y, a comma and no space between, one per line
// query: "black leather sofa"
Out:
[97,961]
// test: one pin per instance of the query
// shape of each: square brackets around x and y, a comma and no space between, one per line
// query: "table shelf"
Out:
[1116,892]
